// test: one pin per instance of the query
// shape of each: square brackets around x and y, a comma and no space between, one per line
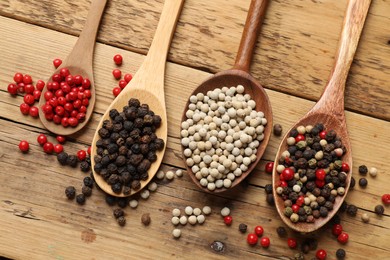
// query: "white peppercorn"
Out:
[373,171]
[176,233]
[152,186]
[206,210]
[225,211]
[192,220]
[160,175]
[200,219]
[183,220]
[211,186]
[169,175]
[176,212]
[179,173]
[175,221]
[133,203]
[365,217]
[145,194]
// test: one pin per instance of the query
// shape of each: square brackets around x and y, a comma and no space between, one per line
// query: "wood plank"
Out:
[294,55]
[32,200]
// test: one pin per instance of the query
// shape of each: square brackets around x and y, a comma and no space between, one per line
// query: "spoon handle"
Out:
[154,63]
[332,98]
[84,46]
[249,37]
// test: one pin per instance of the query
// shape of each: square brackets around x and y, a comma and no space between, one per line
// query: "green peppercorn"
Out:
[299,256]
[288,211]
[70,192]
[379,210]
[312,163]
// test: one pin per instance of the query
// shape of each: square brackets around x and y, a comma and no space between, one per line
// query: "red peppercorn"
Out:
[345,167]
[320,183]
[57,63]
[337,229]
[58,148]
[122,84]
[37,94]
[86,83]
[78,80]
[323,134]
[73,121]
[29,99]
[259,231]
[128,77]
[118,59]
[89,150]
[47,109]
[300,200]
[321,254]
[61,139]
[295,208]
[343,238]
[265,242]
[386,199]
[228,220]
[116,91]
[18,77]
[12,89]
[29,88]
[282,184]
[87,93]
[64,121]
[292,242]
[49,116]
[42,139]
[252,239]
[64,72]
[34,111]
[80,117]
[40,84]
[59,93]
[269,166]
[24,146]
[24,108]
[48,95]
[27,79]
[57,119]
[300,137]
[56,77]
[117,73]
[288,174]
[21,87]
[48,147]
[320,174]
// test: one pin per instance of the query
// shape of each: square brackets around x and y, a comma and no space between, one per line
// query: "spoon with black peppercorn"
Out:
[329,110]
[239,75]
[147,86]
[79,62]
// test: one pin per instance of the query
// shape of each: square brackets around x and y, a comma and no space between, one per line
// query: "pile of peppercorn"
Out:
[128,146]
[312,173]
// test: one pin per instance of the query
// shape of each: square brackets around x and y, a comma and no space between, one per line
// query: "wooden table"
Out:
[293,60]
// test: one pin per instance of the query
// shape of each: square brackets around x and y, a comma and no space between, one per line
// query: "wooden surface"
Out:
[293,60]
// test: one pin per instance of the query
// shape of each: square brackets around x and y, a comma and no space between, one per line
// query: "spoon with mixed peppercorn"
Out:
[312,169]
[130,140]
[68,97]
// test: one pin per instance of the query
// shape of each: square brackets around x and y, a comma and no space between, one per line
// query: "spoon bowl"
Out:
[329,110]
[239,75]
[79,62]
[147,85]
[229,78]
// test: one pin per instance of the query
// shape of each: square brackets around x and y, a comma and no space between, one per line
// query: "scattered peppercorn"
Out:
[282,232]
[80,199]
[111,200]
[145,219]
[278,130]
[87,191]
[88,182]
[340,253]
[72,160]
[379,210]
[70,192]
[352,210]
[118,212]
[62,158]
[363,170]
[363,182]
[242,228]
[270,199]
[353,182]
[121,221]
[84,166]
[268,188]
[218,246]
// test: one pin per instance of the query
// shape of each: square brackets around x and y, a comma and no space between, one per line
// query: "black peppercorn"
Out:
[156,120]
[159,143]
[335,219]
[87,191]
[116,187]
[363,170]
[316,213]
[343,207]
[133,102]
[72,160]
[151,156]
[340,253]
[242,228]
[278,130]
[113,113]
[70,192]
[62,158]
[268,188]
[88,181]
[305,247]
[313,244]
[110,200]
[352,183]
[352,210]
[122,202]
[84,166]
[80,199]
[363,182]
[126,190]
[282,232]
[118,212]
[121,221]
[135,185]
[379,210]
[270,199]
[103,133]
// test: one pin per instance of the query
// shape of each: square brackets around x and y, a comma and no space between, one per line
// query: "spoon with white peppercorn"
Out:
[329,111]
[236,115]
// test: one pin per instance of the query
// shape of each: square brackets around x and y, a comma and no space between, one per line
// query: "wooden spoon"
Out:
[147,85]
[79,62]
[239,75]
[329,110]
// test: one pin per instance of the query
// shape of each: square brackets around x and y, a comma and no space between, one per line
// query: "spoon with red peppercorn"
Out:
[68,98]
[329,111]
[147,86]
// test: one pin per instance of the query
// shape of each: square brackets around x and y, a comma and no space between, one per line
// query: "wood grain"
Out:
[294,53]
[48,226]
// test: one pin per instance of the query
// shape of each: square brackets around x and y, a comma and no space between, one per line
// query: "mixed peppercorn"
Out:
[311,172]
[128,146]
